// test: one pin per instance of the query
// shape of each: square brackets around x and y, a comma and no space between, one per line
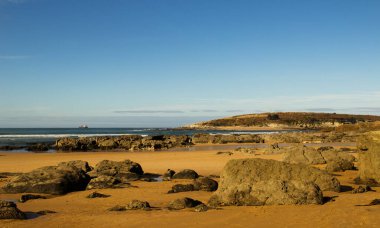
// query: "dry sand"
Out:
[75,210]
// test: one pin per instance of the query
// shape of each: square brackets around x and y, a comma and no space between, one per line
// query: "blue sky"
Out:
[166,63]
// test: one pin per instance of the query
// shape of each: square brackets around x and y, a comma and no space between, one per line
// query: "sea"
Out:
[27,136]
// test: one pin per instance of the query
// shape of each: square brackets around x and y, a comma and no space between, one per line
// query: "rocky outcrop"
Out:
[79,164]
[125,142]
[369,160]
[9,210]
[55,180]
[222,139]
[269,182]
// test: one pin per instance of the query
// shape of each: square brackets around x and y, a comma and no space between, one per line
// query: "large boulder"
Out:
[9,210]
[102,181]
[268,182]
[339,165]
[369,160]
[123,170]
[55,180]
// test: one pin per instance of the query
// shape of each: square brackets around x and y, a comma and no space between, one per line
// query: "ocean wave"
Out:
[58,135]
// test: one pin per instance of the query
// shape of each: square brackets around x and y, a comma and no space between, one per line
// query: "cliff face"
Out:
[286,120]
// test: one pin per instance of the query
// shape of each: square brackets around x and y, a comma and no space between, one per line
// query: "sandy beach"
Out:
[75,210]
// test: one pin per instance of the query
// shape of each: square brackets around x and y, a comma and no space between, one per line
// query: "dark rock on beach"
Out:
[97,195]
[205,184]
[182,188]
[186,174]
[183,203]
[9,210]
[362,189]
[124,170]
[369,160]
[27,197]
[138,205]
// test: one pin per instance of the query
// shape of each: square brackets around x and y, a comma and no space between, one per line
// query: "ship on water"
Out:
[83,126]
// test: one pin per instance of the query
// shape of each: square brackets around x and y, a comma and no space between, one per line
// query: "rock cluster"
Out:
[269,182]
[74,176]
[125,142]
[222,139]
[336,161]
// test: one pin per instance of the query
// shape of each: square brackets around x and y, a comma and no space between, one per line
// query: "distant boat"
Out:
[83,126]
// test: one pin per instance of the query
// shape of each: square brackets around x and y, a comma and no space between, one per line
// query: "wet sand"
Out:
[75,210]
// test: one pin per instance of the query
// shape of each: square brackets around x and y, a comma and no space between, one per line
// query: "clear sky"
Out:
[169,62]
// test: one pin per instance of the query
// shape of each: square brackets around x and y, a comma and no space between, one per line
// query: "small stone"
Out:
[97,195]
[201,208]
[27,197]
[9,210]
[138,205]
[183,203]
[118,208]
[181,188]
[362,189]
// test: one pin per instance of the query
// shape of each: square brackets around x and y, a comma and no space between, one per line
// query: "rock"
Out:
[304,155]
[182,188]
[102,182]
[168,175]
[247,150]
[45,212]
[56,180]
[269,182]
[222,139]
[183,203]
[97,195]
[26,197]
[38,147]
[369,160]
[124,170]
[186,174]
[362,189]
[224,153]
[201,208]
[374,202]
[325,148]
[339,165]
[308,155]
[205,184]
[273,149]
[138,205]
[118,208]
[83,165]
[9,210]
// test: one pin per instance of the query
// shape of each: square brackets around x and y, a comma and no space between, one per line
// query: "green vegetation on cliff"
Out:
[287,120]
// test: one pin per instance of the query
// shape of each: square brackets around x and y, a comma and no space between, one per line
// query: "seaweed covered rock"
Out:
[269,182]
[205,184]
